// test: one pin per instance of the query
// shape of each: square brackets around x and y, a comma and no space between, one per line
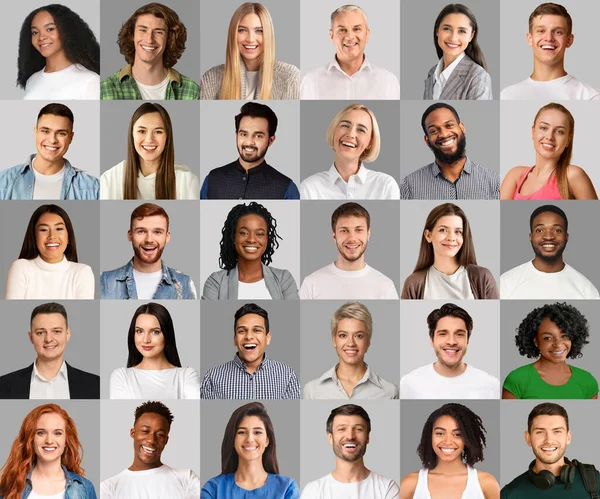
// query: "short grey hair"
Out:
[348,8]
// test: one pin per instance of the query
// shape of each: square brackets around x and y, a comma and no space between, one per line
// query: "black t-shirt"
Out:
[523,488]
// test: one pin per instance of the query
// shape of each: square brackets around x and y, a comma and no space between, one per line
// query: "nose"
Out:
[147,338]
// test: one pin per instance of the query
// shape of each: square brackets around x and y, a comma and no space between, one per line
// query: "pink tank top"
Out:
[548,191]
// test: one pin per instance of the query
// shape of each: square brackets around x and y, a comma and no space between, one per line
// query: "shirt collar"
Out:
[240,364]
[61,372]
[128,272]
[252,171]
[467,168]
[369,376]
[443,75]
[174,76]
[333,175]
[28,165]
[334,64]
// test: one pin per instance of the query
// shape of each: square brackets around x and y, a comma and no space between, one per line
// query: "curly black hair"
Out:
[471,429]
[78,41]
[229,257]
[568,319]
[157,408]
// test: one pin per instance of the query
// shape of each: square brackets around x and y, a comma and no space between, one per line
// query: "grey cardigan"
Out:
[468,81]
[286,82]
[279,282]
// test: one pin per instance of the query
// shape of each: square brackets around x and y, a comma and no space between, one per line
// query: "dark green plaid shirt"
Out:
[122,86]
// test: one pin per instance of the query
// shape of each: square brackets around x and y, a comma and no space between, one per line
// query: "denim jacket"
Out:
[17,182]
[119,284]
[77,487]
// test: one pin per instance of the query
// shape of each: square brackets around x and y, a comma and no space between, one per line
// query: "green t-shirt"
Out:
[526,383]
[523,488]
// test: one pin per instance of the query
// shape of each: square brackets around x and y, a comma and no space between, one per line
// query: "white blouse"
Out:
[174,383]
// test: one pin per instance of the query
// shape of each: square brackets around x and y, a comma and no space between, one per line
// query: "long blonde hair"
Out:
[232,80]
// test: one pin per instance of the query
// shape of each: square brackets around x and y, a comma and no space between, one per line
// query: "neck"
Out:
[253,65]
[57,62]
[449,59]
[346,471]
[149,74]
[139,466]
[545,72]
[452,170]
[454,467]
[47,470]
[49,368]
[544,166]
[146,267]
[251,367]
[247,165]
[346,168]
[352,66]
[149,167]
[251,472]
[549,366]
[554,468]
[449,371]
[155,363]
[350,372]
[446,265]
[47,167]
[250,271]
[343,264]
[549,267]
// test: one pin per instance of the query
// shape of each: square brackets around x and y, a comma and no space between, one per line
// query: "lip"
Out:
[149,451]
[350,45]
[147,348]
[149,48]
[452,46]
[346,144]
[452,352]
[447,450]
[446,142]
[250,249]
[149,149]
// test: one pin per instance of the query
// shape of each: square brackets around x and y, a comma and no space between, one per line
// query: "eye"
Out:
[360,336]
[459,231]
[259,31]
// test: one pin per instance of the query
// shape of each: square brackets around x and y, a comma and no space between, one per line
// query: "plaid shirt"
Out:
[121,85]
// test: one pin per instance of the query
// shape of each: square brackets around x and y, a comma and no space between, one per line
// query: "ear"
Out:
[330,438]
[30,334]
[368,35]
[271,140]
[461,125]
[268,336]
[369,234]
[333,235]
[569,437]
[168,240]
[527,438]
[68,335]
[426,139]
[529,39]
[132,432]
[570,40]
[472,36]
[427,235]
[566,237]
[129,235]
[331,34]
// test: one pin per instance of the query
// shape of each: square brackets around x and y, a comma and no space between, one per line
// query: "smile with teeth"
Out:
[349,144]
[558,352]
[50,347]
[549,449]
[250,249]
[350,446]
[51,148]
[547,145]
[548,47]
[452,351]
[351,352]
[250,47]
[447,450]
[446,142]
[452,45]
[149,148]
[250,346]
[549,246]
[347,44]
[149,48]
[249,448]
[148,450]
[49,449]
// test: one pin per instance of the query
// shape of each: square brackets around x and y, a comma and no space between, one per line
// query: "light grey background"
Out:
[319,249]
[382,49]
[285,415]
[383,450]
[87,419]
[81,350]
[217,320]
[84,217]
[214,23]
[517,145]
[481,120]
[84,151]
[418,51]
[317,156]
[218,140]
[88,10]
[287,214]
[516,56]
[116,317]
[180,253]
[414,417]
[484,344]
[516,454]
[117,416]
[318,353]
[114,14]
[484,218]
[115,117]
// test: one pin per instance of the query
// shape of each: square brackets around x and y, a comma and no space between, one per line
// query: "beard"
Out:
[548,258]
[254,157]
[353,258]
[547,459]
[443,157]
[338,450]
[144,258]
[440,358]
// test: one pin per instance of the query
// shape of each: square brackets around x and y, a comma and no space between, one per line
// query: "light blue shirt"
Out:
[276,487]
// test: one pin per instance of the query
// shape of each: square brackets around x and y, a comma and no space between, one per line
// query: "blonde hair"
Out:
[370,154]
[231,87]
[353,310]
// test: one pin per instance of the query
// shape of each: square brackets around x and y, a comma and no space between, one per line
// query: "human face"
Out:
[250,40]
[446,439]
[550,134]
[548,438]
[149,236]
[445,136]
[454,35]
[150,36]
[350,34]
[351,341]
[149,137]
[49,335]
[549,37]
[251,237]
[353,135]
[446,236]
[253,140]
[53,136]
[251,339]
[553,343]
[548,237]
[44,35]
[51,237]
[349,437]
[148,336]
[50,437]
[150,435]
[251,439]
[450,341]
[351,237]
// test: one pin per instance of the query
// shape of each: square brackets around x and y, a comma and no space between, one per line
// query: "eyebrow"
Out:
[354,26]
[256,131]
[44,127]
[155,128]
[448,330]
[557,126]
[253,428]
[51,23]
[155,29]
[445,429]
[247,327]
[48,225]
[450,26]
[545,429]
[548,225]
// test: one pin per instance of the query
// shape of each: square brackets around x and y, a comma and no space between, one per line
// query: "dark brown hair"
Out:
[547,409]
[350,210]
[551,9]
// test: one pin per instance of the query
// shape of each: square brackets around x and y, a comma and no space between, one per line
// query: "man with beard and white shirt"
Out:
[249,176]
[452,175]
[547,276]
[348,430]
[146,276]
[349,277]
[450,328]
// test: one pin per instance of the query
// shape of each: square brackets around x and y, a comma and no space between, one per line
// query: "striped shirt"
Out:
[474,182]
[272,380]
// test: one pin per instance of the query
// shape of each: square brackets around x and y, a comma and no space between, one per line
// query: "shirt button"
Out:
[243,178]
[240,198]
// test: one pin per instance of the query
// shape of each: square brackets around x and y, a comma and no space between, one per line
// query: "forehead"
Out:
[250,320]
[353,420]
[553,117]
[54,122]
[50,219]
[150,120]
[350,325]
[251,20]
[446,422]
[451,324]
[546,421]
[252,221]
[550,21]
[548,326]
[351,221]
[453,221]
[49,321]
[147,320]
[251,422]
[349,18]
[456,19]
[254,124]
[548,218]
[153,222]
[150,21]
[359,116]
[51,420]
[439,117]
[42,18]
[153,420]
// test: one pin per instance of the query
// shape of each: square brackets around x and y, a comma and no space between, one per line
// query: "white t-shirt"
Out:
[439,286]
[153,92]
[252,85]
[253,291]
[472,490]
[146,283]
[525,282]
[47,186]
[425,383]
[563,88]
[60,495]
[332,283]
[162,482]
[74,82]
[175,383]
[374,486]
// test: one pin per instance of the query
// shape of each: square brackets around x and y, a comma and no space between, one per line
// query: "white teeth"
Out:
[250,248]
[250,345]
[350,44]
[149,148]
[52,245]
[49,449]
[250,47]
[148,449]
[50,148]
[350,446]
[548,47]
[558,352]
[447,451]
[549,448]
[452,45]
[149,49]
[349,144]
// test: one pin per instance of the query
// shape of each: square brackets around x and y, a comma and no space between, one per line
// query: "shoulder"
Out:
[482,375]
[82,374]
[409,483]
[80,268]
[114,172]
[514,91]
[516,272]
[119,373]
[22,265]
[417,174]
[416,278]
[576,173]
[520,372]
[188,82]
[26,371]
[417,373]
[382,73]
[280,366]
[11,173]
[183,172]
[315,73]
[177,274]
[213,75]
[516,172]
[488,482]
[514,484]
[479,271]
[279,274]
[583,374]
[286,70]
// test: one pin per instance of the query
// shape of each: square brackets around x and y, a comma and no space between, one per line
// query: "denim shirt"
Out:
[17,182]
[119,284]
[77,487]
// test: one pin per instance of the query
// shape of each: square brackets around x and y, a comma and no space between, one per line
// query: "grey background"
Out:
[84,151]
[81,350]
[214,23]
[285,415]
[483,216]
[516,247]
[116,317]
[218,141]
[87,419]
[116,449]
[517,149]
[317,156]
[180,253]
[84,217]
[287,214]
[414,416]
[482,127]
[88,10]
[319,249]
[383,451]
[418,51]
[382,49]
[484,344]
[516,56]
[115,117]
[318,353]
[516,454]
[217,325]
[114,14]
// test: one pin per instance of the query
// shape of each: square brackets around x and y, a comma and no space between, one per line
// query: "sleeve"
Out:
[191,384]
[209,491]
[481,87]
[204,189]
[206,390]
[16,281]
[85,284]
[393,491]
[491,289]
[193,188]
[193,488]
[292,191]
[292,492]
[211,288]
[304,192]
[210,85]
[307,392]
[118,384]
[105,186]
[391,189]
[396,395]
[406,391]
[591,386]
[288,286]
[91,90]
[408,289]
[392,292]
[305,290]
[89,489]
[308,87]
[193,291]
[514,383]
[505,494]
[293,84]
[105,492]
[292,391]
[505,286]
[405,190]
[311,491]
[106,90]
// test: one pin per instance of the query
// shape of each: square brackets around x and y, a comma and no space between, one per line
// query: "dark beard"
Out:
[259,155]
[547,258]
[442,157]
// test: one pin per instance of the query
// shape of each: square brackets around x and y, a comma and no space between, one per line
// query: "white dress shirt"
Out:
[55,388]
[441,76]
